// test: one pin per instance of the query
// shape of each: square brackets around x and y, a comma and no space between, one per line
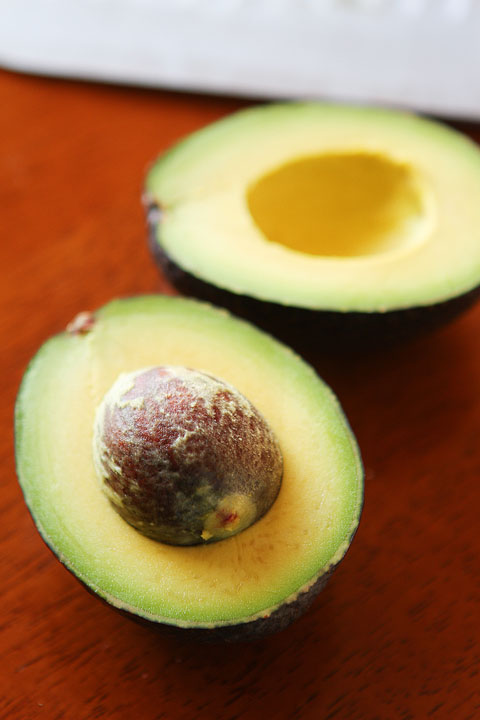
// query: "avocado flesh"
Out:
[339,205]
[304,534]
[416,245]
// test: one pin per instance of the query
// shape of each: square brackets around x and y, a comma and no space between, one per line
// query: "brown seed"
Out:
[184,457]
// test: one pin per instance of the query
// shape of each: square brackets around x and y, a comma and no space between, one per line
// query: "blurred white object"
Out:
[419,54]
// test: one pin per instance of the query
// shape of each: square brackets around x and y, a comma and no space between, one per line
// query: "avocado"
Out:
[230,586]
[358,222]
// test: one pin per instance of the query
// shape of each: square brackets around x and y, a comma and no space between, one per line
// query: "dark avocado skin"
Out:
[248,631]
[322,329]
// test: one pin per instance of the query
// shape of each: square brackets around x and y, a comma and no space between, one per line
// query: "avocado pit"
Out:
[184,457]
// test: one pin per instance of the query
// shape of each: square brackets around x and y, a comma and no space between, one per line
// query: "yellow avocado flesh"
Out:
[324,207]
[340,205]
[307,529]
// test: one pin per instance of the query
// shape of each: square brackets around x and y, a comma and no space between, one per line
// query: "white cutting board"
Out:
[419,54]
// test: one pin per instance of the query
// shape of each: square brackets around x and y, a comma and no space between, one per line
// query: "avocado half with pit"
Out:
[225,585]
[360,221]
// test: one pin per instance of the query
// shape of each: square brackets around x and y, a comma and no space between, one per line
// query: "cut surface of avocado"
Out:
[305,532]
[323,207]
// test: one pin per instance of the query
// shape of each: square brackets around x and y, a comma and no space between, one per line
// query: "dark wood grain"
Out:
[396,634]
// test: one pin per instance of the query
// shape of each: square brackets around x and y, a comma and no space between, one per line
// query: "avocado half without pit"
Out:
[360,221]
[186,467]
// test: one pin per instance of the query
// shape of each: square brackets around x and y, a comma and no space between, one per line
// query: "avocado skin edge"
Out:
[310,328]
[247,631]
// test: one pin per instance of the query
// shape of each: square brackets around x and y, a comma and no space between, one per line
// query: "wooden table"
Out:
[396,634]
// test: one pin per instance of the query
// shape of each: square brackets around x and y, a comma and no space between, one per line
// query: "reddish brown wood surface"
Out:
[396,634]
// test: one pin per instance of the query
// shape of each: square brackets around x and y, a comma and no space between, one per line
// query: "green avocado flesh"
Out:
[323,207]
[306,531]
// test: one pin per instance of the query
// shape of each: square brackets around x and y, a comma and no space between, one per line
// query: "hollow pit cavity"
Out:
[342,205]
